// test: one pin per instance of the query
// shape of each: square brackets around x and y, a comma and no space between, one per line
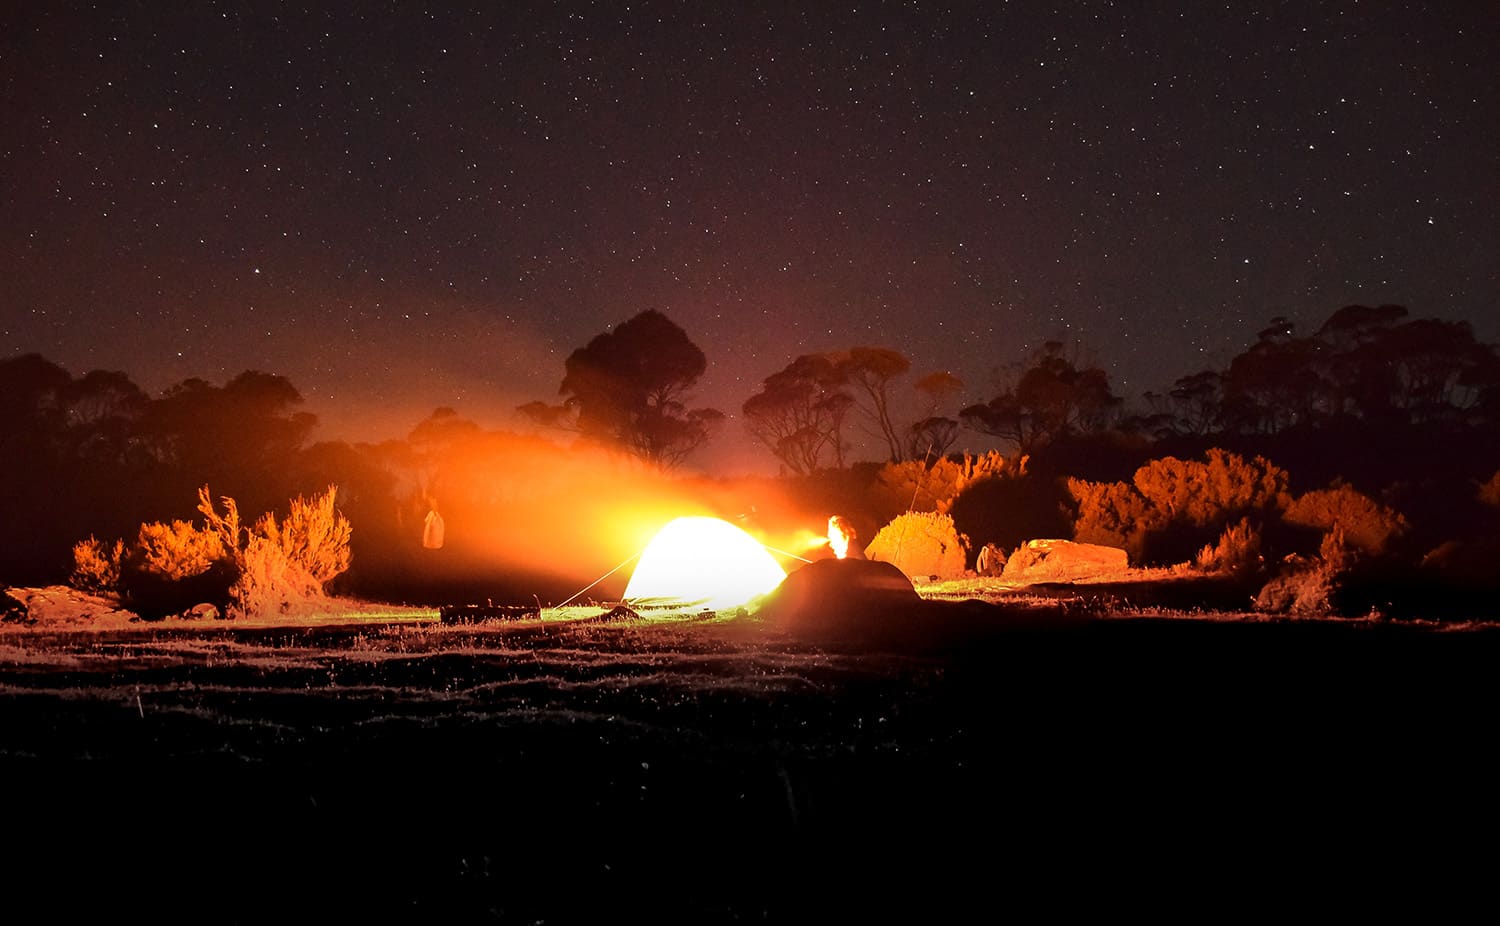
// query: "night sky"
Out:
[402,208]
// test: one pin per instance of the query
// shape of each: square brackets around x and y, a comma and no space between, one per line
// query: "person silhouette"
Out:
[432,527]
[843,540]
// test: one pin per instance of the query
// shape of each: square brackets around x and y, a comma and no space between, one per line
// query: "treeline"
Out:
[94,458]
[1399,417]
[94,455]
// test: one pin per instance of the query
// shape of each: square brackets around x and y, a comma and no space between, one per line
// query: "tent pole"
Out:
[601,578]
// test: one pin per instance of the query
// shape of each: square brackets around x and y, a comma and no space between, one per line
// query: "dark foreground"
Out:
[723,773]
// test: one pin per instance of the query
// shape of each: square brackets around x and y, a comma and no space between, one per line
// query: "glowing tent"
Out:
[705,561]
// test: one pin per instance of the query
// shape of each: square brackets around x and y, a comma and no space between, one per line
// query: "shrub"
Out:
[1008,512]
[1361,522]
[273,567]
[172,567]
[921,543]
[285,567]
[272,583]
[1237,551]
[918,486]
[1489,493]
[1307,588]
[175,551]
[1114,514]
[1172,507]
[1223,487]
[1312,586]
[96,568]
[226,526]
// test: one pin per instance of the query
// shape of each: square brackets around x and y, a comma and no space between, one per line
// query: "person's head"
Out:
[840,535]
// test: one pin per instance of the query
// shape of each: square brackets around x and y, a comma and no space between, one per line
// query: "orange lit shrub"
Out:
[271,568]
[175,551]
[1223,487]
[1306,589]
[284,567]
[1489,493]
[96,568]
[921,543]
[1236,552]
[1172,507]
[1311,587]
[1362,523]
[1114,514]
[919,486]
[171,567]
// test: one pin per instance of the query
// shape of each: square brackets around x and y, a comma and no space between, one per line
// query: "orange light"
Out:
[807,540]
[703,561]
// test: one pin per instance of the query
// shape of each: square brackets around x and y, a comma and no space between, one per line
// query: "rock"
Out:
[838,593]
[203,611]
[13,610]
[54,605]
[1049,560]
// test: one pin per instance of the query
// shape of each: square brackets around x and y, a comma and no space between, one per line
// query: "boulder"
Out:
[838,593]
[202,611]
[56,605]
[1050,560]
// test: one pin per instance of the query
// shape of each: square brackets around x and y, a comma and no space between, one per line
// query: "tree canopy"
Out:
[799,413]
[1367,365]
[628,389]
[1051,399]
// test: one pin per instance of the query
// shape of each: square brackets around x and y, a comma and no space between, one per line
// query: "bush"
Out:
[175,551]
[1114,514]
[1237,551]
[1212,493]
[173,566]
[921,543]
[1361,522]
[1489,493]
[1315,586]
[1008,512]
[1307,589]
[917,486]
[270,568]
[96,568]
[285,567]
[1172,507]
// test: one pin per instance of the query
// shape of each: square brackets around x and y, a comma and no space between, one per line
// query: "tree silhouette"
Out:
[931,436]
[1194,405]
[33,402]
[870,370]
[627,389]
[1277,384]
[799,412]
[104,408]
[1438,372]
[1364,366]
[1053,398]
[241,436]
[69,460]
[932,433]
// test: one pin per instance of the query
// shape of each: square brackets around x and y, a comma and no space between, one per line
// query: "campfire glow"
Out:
[703,561]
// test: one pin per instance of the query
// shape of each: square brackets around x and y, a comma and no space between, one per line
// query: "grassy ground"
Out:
[991,747]
[377,764]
